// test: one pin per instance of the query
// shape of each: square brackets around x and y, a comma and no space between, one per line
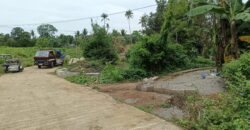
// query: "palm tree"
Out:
[129,15]
[231,11]
[105,19]
[143,21]
[84,32]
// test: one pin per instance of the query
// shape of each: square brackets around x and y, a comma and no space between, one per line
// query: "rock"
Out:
[169,113]
[75,60]
[131,101]
[147,85]
[64,73]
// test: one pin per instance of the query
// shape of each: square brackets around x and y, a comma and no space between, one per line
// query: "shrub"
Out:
[148,54]
[199,62]
[100,47]
[111,74]
[152,54]
[231,110]
[176,55]
[134,74]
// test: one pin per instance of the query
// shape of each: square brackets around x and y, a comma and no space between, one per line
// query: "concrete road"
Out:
[37,99]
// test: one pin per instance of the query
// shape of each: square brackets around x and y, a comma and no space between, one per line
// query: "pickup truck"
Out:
[48,58]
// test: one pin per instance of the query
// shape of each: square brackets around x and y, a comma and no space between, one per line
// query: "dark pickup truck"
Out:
[48,58]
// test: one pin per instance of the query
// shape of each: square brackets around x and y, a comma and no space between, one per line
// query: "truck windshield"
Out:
[42,54]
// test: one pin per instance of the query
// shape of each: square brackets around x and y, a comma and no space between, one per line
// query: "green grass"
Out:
[26,54]
[82,79]
[146,108]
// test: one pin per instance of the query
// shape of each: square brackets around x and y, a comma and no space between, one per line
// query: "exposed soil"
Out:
[185,80]
[36,99]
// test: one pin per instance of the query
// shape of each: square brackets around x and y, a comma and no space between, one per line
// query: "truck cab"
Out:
[48,58]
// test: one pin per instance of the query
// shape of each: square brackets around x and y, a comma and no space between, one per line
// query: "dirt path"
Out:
[36,99]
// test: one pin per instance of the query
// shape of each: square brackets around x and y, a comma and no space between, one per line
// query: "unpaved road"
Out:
[36,99]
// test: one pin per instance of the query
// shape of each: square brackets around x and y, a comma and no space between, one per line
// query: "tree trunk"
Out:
[234,40]
[131,40]
[222,45]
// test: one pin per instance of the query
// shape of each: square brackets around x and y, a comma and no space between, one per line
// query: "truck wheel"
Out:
[39,66]
[6,70]
[52,64]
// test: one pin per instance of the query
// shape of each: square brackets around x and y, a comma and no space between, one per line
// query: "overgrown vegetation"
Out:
[181,34]
[226,111]
[26,54]
[100,46]
[83,79]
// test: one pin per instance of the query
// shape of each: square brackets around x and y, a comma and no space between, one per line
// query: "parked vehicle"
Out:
[13,65]
[48,58]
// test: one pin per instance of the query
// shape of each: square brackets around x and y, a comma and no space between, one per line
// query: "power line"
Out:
[77,19]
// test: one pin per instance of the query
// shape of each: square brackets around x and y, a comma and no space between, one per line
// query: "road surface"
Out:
[37,99]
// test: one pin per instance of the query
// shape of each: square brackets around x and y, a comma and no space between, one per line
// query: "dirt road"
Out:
[37,99]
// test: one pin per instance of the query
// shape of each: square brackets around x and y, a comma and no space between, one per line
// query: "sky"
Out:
[16,12]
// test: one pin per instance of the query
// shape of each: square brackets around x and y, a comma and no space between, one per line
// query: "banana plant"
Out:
[231,10]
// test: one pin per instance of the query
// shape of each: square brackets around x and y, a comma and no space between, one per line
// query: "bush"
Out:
[176,55]
[149,54]
[153,55]
[199,62]
[134,74]
[100,47]
[231,110]
[111,74]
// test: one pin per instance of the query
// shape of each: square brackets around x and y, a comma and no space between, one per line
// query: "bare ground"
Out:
[36,99]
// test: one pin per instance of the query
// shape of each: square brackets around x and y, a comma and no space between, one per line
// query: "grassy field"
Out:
[26,54]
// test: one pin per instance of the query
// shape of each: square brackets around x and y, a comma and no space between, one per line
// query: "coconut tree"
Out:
[143,21]
[105,19]
[129,16]
[230,10]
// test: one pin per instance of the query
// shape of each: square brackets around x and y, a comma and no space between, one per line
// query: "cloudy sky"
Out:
[18,12]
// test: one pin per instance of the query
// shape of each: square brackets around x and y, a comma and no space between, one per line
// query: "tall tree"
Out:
[32,33]
[231,10]
[20,38]
[143,21]
[129,16]
[105,19]
[46,30]
[84,32]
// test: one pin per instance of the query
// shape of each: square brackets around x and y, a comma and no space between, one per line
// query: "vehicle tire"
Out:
[20,69]
[52,64]
[39,66]
[6,70]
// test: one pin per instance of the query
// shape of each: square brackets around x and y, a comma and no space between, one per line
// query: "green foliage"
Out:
[100,47]
[43,42]
[134,74]
[82,79]
[111,74]
[26,54]
[46,30]
[146,108]
[149,54]
[153,22]
[20,38]
[231,109]
[153,55]
[176,55]
[200,62]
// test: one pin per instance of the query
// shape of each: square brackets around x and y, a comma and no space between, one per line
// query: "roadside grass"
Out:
[146,108]
[82,79]
[26,54]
